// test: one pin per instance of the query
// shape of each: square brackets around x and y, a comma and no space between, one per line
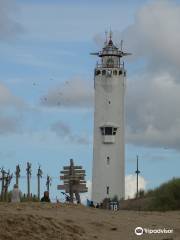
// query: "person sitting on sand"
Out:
[16,194]
[97,205]
[45,198]
[92,204]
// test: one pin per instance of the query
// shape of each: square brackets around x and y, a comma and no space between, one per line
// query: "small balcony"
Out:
[101,65]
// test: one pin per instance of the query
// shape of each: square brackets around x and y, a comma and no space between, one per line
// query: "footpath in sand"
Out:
[42,221]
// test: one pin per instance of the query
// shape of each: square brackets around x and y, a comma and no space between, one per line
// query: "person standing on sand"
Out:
[45,198]
[16,194]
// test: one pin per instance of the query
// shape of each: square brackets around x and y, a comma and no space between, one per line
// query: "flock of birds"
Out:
[45,99]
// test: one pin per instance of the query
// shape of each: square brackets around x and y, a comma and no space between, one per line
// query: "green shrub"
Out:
[166,197]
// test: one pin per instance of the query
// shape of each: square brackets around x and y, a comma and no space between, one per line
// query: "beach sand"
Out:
[27,221]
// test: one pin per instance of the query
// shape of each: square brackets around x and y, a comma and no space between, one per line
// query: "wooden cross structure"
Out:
[3,172]
[7,183]
[39,176]
[48,182]
[28,170]
[17,173]
[6,178]
[74,181]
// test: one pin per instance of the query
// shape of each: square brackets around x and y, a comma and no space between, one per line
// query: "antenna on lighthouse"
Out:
[121,45]
[106,37]
[110,34]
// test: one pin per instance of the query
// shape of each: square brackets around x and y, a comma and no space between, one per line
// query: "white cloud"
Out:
[61,129]
[9,125]
[130,185]
[73,93]
[11,108]
[155,32]
[9,25]
[64,131]
[8,99]
[153,116]
[71,22]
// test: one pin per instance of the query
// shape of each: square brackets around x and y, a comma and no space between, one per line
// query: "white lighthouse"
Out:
[108,178]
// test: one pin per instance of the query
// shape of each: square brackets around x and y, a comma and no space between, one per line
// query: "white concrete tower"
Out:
[108,151]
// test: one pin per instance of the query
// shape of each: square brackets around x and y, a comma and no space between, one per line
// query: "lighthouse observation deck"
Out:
[105,65]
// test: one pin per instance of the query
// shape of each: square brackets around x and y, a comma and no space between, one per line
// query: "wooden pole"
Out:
[6,186]
[39,176]
[137,177]
[8,178]
[28,169]
[2,185]
[17,173]
[70,181]
[48,183]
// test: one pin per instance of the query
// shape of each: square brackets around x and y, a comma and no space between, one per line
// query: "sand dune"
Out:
[36,221]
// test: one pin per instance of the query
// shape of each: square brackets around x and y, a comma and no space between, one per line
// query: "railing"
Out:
[100,65]
[109,52]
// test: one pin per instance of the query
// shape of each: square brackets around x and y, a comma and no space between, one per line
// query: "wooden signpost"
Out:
[74,181]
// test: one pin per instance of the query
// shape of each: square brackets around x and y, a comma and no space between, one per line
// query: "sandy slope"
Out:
[56,221]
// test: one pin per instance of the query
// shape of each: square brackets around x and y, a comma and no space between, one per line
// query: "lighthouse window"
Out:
[120,72]
[108,130]
[107,190]
[108,160]
[97,72]
[103,72]
[110,62]
[114,131]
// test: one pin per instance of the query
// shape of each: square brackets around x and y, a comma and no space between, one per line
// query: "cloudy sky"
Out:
[46,84]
